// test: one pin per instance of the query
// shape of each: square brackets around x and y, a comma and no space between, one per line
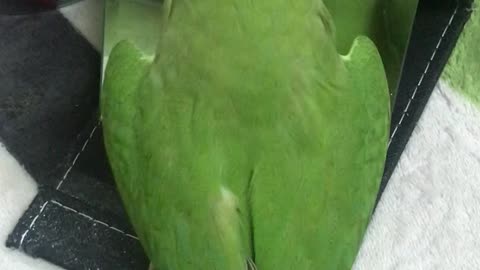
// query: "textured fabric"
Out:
[93,10]
[17,190]
[428,217]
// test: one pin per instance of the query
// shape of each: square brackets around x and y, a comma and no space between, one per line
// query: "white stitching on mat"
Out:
[33,222]
[94,220]
[405,111]
[77,156]
[84,146]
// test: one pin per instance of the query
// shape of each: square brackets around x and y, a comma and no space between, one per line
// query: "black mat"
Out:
[437,27]
[49,83]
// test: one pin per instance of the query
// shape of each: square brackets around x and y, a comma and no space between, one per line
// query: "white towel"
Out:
[429,216]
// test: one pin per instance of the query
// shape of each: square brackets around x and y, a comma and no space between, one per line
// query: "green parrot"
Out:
[246,141]
[387,22]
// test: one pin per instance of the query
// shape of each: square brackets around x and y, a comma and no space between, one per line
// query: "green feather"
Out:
[247,137]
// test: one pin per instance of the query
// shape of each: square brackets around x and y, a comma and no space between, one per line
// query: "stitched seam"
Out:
[94,220]
[42,208]
[77,156]
[32,223]
[412,97]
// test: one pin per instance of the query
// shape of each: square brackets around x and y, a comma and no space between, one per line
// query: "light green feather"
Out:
[248,137]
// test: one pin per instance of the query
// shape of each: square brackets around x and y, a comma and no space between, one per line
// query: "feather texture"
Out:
[248,141]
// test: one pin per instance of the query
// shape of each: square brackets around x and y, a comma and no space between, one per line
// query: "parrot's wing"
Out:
[367,143]
[369,85]
[125,69]
[191,216]
[312,202]
[169,169]
[191,184]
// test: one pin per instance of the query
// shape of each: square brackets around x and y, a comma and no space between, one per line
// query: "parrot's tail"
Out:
[251,265]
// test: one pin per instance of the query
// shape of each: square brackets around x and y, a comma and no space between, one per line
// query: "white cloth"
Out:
[87,17]
[428,218]
[17,190]
[429,215]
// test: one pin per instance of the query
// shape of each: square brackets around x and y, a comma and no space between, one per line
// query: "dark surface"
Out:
[74,238]
[49,83]
[436,31]
[48,91]
[17,7]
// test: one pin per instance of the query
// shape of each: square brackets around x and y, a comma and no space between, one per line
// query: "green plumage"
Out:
[387,22]
[247,137]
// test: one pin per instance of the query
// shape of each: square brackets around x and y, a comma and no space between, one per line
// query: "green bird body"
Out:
[247,139]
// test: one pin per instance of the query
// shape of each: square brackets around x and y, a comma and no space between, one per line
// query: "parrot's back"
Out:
[247,140]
